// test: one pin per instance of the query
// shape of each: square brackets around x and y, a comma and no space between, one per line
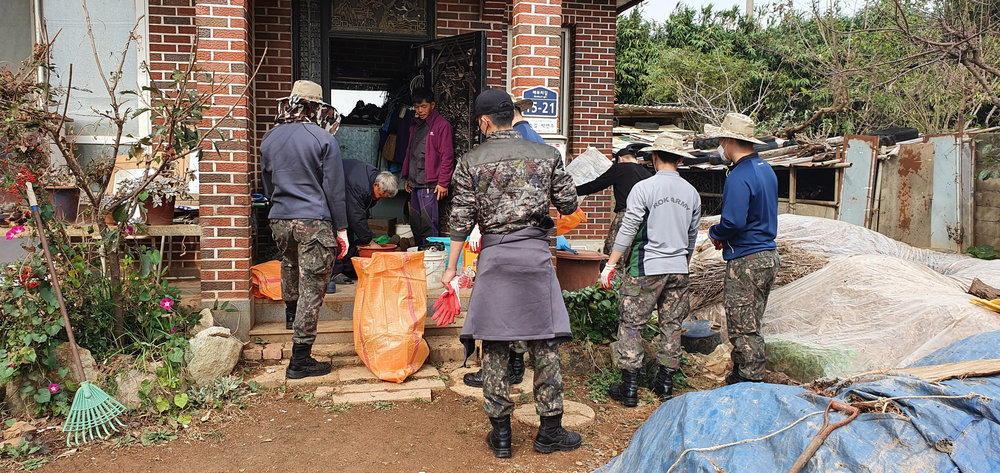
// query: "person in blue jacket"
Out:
[523,126]
[746,235]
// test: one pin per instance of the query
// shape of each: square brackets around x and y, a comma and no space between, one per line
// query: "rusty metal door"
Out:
[906,194]
[858,189]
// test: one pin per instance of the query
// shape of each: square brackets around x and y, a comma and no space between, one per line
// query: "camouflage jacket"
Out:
[505,185]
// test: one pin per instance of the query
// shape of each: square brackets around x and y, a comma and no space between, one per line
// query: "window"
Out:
[15,22]
[112,22]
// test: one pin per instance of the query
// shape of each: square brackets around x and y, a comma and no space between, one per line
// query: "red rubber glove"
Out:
[607,275]
[342,243]
[717,243]
[448,305]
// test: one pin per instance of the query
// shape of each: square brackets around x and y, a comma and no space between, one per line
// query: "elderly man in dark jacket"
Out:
[365,187]
[505,187]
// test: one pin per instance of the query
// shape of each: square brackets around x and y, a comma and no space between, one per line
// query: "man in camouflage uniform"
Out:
[505,186]
[661,227]
[304,179]
[745,233]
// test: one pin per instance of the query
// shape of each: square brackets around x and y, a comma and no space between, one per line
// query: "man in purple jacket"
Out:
[429,163]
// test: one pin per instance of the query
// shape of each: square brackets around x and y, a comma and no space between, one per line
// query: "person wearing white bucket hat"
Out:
[745,234]
[661,227]
[303,177]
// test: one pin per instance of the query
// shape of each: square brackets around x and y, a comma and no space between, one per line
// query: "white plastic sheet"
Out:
[588,166]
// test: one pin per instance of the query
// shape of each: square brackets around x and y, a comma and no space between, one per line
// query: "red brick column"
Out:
[225,50]
[536,46]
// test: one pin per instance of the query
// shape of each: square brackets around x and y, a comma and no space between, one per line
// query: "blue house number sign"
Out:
[544,102]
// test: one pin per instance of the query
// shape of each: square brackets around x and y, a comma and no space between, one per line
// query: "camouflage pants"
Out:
[308,251]
[548,383]
[609,241]
[748,283]
[640,296]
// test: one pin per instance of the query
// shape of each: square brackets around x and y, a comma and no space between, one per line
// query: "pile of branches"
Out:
[708,276]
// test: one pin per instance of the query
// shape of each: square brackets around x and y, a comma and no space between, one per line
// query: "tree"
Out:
[633,51]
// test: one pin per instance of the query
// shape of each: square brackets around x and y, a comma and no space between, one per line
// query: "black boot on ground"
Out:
[499,438]
[552,437]
[663,383]
[627,391]
[303,365]
[733,377]
[515,371]
[290,314]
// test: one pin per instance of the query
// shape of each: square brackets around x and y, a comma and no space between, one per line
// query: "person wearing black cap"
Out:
[505,186]
[625,173]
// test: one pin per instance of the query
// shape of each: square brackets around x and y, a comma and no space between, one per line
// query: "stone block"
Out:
[253,353]
[575,414]
[361,398]
[359,373]
[272,351]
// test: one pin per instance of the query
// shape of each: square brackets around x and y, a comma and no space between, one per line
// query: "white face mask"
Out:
[722,154]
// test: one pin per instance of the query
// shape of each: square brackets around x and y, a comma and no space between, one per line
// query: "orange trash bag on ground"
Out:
[566,223]
[390,308]
[266,279]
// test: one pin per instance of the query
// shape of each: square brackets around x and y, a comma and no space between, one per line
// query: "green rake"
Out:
[93,411]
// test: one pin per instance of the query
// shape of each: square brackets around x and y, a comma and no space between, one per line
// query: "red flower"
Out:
[32,284]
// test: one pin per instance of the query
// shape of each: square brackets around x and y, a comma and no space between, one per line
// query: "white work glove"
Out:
[475,240]
[342,242]
[606,275]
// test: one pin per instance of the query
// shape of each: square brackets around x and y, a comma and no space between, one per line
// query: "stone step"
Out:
[274,376]
[375,396]
[338,306]
[342,331]
[442,349]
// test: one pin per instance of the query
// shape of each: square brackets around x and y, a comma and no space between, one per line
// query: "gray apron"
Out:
[517,295]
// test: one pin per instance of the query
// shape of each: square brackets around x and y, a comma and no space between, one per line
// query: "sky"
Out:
[659,10]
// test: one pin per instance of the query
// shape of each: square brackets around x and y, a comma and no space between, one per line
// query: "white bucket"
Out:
[404,231]
[435,263]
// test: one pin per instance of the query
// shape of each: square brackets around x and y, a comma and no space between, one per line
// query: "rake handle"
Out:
[33,202]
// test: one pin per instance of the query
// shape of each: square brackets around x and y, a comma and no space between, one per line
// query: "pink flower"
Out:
[53,388]
[129,230]
[166,303]
[15,231]
[173,330]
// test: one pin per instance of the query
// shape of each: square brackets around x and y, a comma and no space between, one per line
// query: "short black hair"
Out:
[502,119]
[422,94]
[667,157]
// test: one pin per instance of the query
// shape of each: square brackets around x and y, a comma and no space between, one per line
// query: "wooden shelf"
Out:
[148,230]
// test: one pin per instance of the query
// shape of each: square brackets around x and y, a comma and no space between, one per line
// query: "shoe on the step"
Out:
[473,379]
[663,383]
[331,287]
[627,391]
[733,377]
[342,279]
[498,440]
[552,437]
[303,365]
[290,314]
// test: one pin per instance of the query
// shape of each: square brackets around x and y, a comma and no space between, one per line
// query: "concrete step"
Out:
[274,376]
[342,331]
[338,306]
[442,348]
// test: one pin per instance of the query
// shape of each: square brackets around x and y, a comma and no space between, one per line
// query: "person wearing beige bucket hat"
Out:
[745,234]
[660,227]
[520,124]
[303,177]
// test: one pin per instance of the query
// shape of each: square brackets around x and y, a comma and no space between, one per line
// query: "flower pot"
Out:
[577,271]
[162,214]
[368,251]
[66,201]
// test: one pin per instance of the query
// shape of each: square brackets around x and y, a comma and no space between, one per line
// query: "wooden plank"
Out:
[906,195]
[961,369]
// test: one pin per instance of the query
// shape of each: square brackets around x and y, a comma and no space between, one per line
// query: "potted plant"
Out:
[63,193]
[161,195]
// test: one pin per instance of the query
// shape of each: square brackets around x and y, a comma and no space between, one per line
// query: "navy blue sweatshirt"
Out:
[749,209]
[303,174]
[360,180]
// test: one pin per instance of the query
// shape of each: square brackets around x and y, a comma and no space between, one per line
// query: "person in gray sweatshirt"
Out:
[660,226]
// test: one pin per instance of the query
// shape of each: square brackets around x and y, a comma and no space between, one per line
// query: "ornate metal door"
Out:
[456,68]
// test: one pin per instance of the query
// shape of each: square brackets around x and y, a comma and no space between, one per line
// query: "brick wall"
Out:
[171,37]
[224,48]
[455,17]
[273,31]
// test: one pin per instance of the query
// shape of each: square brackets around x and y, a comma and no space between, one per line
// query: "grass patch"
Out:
[599,383]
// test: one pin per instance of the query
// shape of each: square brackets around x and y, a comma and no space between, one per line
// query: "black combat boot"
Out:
[627,391]
[303,365]
[499,438]
[515,369]
[663,384]
[552,437]
[290,314]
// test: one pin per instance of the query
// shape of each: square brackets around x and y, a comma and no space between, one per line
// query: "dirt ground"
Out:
[284,432]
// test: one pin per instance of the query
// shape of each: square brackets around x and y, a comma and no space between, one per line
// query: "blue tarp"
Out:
[932,435]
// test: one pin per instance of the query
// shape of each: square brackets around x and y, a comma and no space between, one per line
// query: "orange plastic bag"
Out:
[266,279]
[390,308]
[566,223]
